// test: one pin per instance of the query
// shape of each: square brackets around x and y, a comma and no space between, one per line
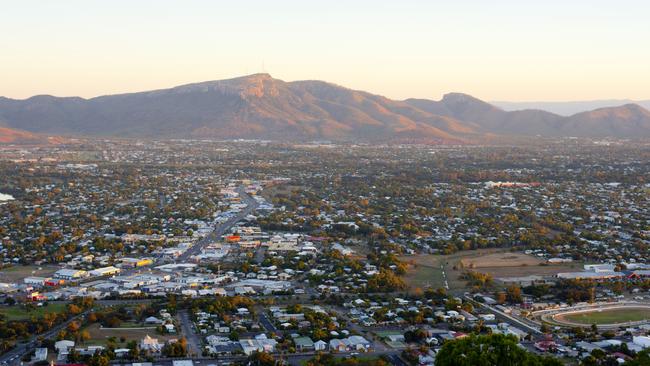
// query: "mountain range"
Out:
[261,107]
[571,107]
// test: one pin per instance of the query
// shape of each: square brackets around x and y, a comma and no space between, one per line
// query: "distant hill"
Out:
[569,108]
[626,121]
[259,106]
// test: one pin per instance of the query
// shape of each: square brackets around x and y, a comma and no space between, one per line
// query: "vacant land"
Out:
[432,270]
[281,189]
[507,259]
[18,273]
[100,336]
[607,316]
[20,312]
[541,270]
[500,263]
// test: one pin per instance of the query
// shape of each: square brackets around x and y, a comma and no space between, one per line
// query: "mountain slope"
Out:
[489,118]
[630,120]
[19,137]
[258,106]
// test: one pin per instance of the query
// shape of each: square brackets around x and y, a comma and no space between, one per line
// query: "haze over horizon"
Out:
[506,51]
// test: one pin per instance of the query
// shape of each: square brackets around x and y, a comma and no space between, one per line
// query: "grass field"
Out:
[386,333]
[607,316]
[20,312]
[424,271]
[135,325]
[17,273]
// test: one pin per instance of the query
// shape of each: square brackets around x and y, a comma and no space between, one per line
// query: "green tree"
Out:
[489,350]
[642,359]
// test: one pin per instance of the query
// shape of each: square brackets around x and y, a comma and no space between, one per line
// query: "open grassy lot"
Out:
[607,316]
[424,271]
[427,269]
[100,336]
[20,312]
[17,273]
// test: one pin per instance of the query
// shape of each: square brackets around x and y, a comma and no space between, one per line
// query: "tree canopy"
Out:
[488,350]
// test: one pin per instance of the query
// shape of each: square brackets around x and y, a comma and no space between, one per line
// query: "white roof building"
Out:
[68,274]
[104,271]
[643,341]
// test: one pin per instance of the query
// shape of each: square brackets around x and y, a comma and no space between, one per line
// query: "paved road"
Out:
[266,323]
[221,229]
[193,341]
[509,318]
[396,360]
[296,359]
[260,254]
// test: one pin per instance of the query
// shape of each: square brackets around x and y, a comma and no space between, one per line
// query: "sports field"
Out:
[607,316]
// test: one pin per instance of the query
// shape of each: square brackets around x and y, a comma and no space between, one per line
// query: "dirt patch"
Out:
[508,259]
[550,270]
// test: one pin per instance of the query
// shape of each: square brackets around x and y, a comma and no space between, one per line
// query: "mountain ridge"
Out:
[260,106]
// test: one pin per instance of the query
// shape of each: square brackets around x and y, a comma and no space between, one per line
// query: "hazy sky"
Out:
[496,50]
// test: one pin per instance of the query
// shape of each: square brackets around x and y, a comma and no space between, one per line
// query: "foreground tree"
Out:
[489,350]
[642,359]
[261,359]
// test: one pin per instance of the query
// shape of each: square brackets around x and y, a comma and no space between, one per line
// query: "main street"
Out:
[221,229]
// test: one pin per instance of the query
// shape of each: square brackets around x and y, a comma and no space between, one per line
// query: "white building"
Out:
[70,274]
[104,271]
[320,346]
[40,355]
[259,344]
[35,281]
